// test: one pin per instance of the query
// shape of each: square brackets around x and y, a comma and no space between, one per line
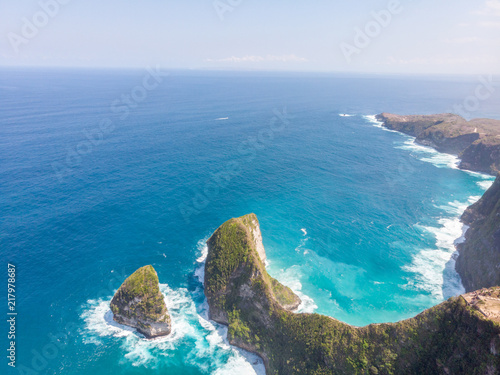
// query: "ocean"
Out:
[105,171]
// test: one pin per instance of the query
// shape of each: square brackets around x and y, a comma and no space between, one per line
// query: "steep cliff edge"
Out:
[235,273]
[451,338]
[476,142]
[479,256]
[139,303]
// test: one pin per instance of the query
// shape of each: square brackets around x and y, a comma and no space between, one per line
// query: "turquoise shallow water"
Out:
[357,219]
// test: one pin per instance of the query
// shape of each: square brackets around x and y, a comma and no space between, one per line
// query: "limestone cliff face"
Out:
[479,261]
[476,142]
[451,338]
[139,303]
[482,155]
[235,270]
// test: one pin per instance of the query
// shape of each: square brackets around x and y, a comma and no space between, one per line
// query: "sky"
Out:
[363,36]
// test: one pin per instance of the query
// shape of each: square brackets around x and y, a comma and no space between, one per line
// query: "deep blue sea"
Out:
[102,172]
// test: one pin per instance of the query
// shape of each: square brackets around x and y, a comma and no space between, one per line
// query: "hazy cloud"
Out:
[259,59]
[490,8]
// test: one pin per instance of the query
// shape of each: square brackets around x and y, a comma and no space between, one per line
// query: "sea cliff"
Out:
[476,142]
[479,256]
[455,337]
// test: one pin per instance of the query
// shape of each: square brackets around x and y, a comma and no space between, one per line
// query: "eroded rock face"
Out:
[139,303]
[451,338]
[235,269]
[476,142]
[478,262]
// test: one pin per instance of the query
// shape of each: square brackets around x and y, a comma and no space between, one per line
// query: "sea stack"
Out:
[139,303]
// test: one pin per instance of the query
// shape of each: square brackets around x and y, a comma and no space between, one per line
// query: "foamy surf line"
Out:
[239,364]
[429,155]
[201,341]
[372,119]
[241,361]
[435,268]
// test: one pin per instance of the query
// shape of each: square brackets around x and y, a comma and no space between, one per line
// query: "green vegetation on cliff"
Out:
[479,260]
[139,303]
[476,142]
[451,338]
[234,270]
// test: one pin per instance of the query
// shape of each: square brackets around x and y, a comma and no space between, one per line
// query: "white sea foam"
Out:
[429,155]
[203,342]
[378,124]
[291,278]
[345,115]
[486,184]
[435,268]
[240,361]
[461,239]
[304,231]
[244,363]
[421,152]
[222,118]
[373,119]
[203,251]
[139,351]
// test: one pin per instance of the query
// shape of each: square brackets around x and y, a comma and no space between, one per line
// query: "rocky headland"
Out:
[476,142]
[455,337]
[139,303]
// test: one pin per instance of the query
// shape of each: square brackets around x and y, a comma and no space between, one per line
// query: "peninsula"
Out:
[476,142]
[459,336]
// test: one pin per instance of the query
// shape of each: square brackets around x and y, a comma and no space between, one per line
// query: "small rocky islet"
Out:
[139,303]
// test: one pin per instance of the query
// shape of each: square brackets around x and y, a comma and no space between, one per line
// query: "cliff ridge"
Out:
[451,338]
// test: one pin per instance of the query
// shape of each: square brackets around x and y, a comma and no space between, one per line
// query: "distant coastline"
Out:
[477,144]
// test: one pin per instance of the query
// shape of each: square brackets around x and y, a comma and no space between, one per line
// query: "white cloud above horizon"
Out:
[260,59]
[446,37]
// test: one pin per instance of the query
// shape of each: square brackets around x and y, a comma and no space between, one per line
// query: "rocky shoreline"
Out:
[477,144]
[459,336]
